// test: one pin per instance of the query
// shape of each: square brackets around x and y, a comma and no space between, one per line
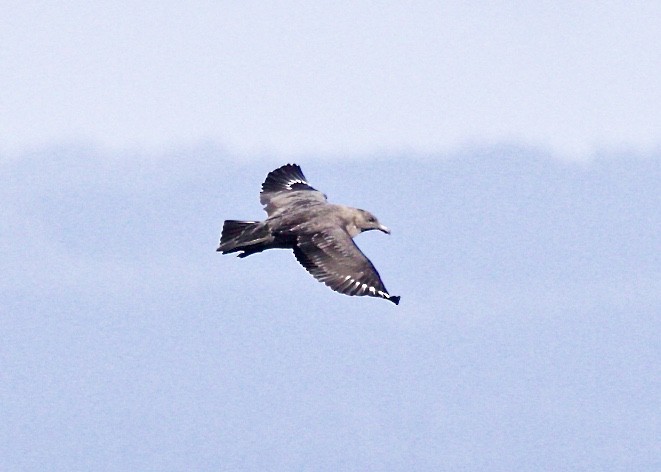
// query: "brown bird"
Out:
[320,233]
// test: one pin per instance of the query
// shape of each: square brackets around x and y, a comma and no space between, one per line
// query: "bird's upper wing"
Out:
[332,257]
[287,187]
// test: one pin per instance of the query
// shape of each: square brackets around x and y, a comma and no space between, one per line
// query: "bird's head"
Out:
[365,221]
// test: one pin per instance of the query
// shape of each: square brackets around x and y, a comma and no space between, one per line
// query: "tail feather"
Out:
[232,229]
[241,235]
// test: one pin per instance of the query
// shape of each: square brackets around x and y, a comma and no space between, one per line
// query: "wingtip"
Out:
[395,299]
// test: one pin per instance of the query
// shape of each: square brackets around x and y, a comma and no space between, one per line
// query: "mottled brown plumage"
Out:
[320,234]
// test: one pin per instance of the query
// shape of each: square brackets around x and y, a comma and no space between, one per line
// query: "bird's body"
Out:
[320,234]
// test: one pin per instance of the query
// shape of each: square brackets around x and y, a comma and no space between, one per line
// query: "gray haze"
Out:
[333,78]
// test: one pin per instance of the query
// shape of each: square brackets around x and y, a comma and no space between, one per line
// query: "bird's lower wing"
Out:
[333,258]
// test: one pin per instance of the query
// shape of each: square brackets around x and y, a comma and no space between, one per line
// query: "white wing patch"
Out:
[364,287]
[295,181]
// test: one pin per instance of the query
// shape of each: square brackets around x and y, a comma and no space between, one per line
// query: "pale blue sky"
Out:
[343,78]
[513,149]
[527,337]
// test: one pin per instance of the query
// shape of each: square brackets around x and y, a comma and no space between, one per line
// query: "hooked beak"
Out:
[385,229]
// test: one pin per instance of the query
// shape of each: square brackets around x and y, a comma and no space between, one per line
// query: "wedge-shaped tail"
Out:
[247,236]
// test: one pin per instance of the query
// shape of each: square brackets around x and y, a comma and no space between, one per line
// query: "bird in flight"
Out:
[320,234]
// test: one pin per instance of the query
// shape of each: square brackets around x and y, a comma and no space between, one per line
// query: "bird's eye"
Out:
[371,219]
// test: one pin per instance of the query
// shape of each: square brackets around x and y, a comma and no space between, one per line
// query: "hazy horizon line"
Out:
[469,148]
